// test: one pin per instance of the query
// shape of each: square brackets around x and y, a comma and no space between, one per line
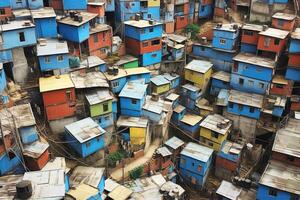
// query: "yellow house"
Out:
[159,84]
[198,72]
[204,107]
[153,3]
[133,128]
[214,130]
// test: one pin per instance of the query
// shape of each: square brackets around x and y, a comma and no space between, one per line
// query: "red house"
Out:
[281,86]
[250,33]
[99,9]
[56,4]
[272,41]
[283,21]
[100,40]
[5,13]
[182,15]
[137,48]
[58,94]
[295,103]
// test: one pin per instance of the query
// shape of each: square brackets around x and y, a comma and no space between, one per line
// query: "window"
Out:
[251,109]
[276,41]
[280,22]
[154,55]
[222,41]
[272,192]
[98,139]
[134,101]
[106,118]
[267,42]
[60,58]
[142,31]
[199,168]
[235,67]
[290,158]
[261,85]
[211,144]
[240,107]
[145,44]
[202,8]
[2,11]
[115,84]
[279,86]
[214,135]
[68,95]
[96,38]
[151,30]
[155,42]
[241,81]
[149,16]
[105,107]
[88,144]
[230,105]
[294,197]
[250,83]
[47,59]
[182,161]
[18,1]
[247,32]
[103,50]
[193,164]
[22,36]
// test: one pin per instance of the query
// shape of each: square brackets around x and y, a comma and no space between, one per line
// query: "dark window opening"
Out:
[22,36]
[272,192]
[241,81]
[276,41]
[155,42]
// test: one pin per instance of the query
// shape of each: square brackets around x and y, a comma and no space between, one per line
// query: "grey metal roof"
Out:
[98,96]
[126,59]
[174,143]
[110,185]
[14,25]
[201,66]
[100,28]
[276,33]
[141,23]
[86,17]
[227,27]
[85,129]
[197,152]
[35,149]
[170,77]
[229,190]
[179,108]
[23,115]
[163,151]
[255,60]
[281,176]
[56,163]
[153,106]
[252,27]
[52,47]
[132,122]
[244,98]
[133,90]
[211,122]
[47,184]
[22,13]
[173,189]
[89,80]
[191,87]
[177,38]
[92,61]
[284,16]
[172,97]
[45,12]
[221,75]
[159,80]
[231,148]
[87,175]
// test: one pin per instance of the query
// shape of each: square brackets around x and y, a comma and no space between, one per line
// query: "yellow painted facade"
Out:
[208,134]
[215,146]
[161,89]
[204,112]
[199,79]
[153,3]
[137,136]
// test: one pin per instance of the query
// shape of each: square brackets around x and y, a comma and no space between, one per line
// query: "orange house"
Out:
[283,21]
[272,40]
[100,41]
[250,33]
[281,86]
[294,60]
[169,27]
[97,8]
[137,48]
[59,98]
[5,13]
[56,4]
[36,156]
[181,22]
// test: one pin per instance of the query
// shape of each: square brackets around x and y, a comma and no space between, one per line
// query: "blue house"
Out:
[173,98]
[75,28]
[190,123]
[18,34]
[110,6]
[31,4]
[225,36]
[293,69]
[272,184]
[117,79]
[220,80]
[252,73]
[245,104]
[195,161]
[249,38]
[274,105]
[78,5]
[142,30]
[5,3]
[152,13]
[178,113]
[6,56]
[173,78]
[94,63]
[132,98]
[153,109]
[8,164]
[205,10]
[126,10]
[189,95]
[140,73]
[3,83]
[85,136]
[53,55]
[45,22]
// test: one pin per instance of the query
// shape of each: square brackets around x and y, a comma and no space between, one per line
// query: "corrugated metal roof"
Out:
[252,27]
[85,129]
[163,151]
[170,77]
[281,176]
[56,163]
[86,17]
[92,61]
[120,193]
[249,99]
[100,28]
[201,66]
[197,152]
[55,83]
[83,192]
[204,104]
[132,122]
[173,189]
[174,143]
[221,75]
[172,97]
[96,3]
[276,33]
[191,87]
[89,80]
[177,38]
[45,12]
[179,108]
[110,185]
[255,60]
[14,25]
[22,13]
[126,59]
[211,122]
[231,147]
[153,106]
[227,27]
[122,73]
[133,90]
[284,16]
[141,23]
[47,184]
[8,186]
[136,71]
[159,80]
[87,175]
[97,96]
[23,115]
[228,190]
[35,149]
[191,119]
[279,79]
[52,47]
[296,34]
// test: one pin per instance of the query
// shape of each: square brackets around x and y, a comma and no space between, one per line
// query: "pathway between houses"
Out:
[117,174]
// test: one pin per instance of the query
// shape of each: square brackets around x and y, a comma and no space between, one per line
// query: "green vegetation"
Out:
[193,29]
[136,172]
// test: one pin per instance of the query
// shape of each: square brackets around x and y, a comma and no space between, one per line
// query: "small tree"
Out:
[136,172]
[193,29]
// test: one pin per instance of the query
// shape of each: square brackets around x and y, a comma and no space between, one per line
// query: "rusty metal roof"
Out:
[197,152]
[211,122]
[276,33]
[87,175]
[255,60]
[132,122]
[88,80]
[174,142]
[244,98]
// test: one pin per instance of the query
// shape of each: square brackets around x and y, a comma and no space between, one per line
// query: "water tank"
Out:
[24,189]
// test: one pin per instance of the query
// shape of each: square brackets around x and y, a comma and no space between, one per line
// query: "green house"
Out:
[99,102]
[128,62]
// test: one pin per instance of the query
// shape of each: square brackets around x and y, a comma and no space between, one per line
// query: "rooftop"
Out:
[244,98]
[88,175]
[125,121]
[233,192]
[229,147]
[52,47]
[138,70]
[133,90]
[92,61]
[15,25]
[296,34]
[159,80]
[276,33]
[221,75]
[45,12]
[216,123]
[197,152]
[227,27]
[85,129]
[255,60]
[100,28]
[284,16]
[177,38]
[163,151]
[86,17]
[126,59]
[201,66]
[179,108]
[55,83]
[279,79]
[89,80]
[122,73]
[35,149]
[83,191]
[174,142]
[153,106]
[172,97]
[281,176]
[170,77]
[191,87]
[120,193]
[252,27]
[141,23]
[191,119]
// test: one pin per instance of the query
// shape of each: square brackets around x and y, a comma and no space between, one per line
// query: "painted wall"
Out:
[208,134]
[249,84]
[105,121]
[54,63]
[294,60]
[4,3]
[135,47]
[294,46]
[153,13]
[6,56]
[119,86]
[243,110]
[79,5]
[263,194]
[148,33]
[46,28]
[198,78]
[150,58]
[3,82]
[292,74]
[73,33]
[272,47]
[161,89]
[97,109]
[217,85]
[35,4]
[248,48]
[7,164]
[283,24]
[12,39]
[249,37]
[28,134]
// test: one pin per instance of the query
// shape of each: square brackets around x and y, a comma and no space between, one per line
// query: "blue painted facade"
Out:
[191,10]
[263,194]
[126,10]
[248,48]
[277,111]
[177,116]
[46,27]
[3,82]
[292,74]
[28,134]
[146,77]
[35,4]
[189,128]
[6,56]
[243,110]
[224,39]
[54,63]
[217,85]
[190,93]
[150,58]
[173,79]
[155,117]
[71,5]
[228,156]
[20,4]
[74,33]
[142,34]
[152,13]
[105,121]
[118,84]
[110,6]
[205,11]
[294,46]
[4,3]
[7,164]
